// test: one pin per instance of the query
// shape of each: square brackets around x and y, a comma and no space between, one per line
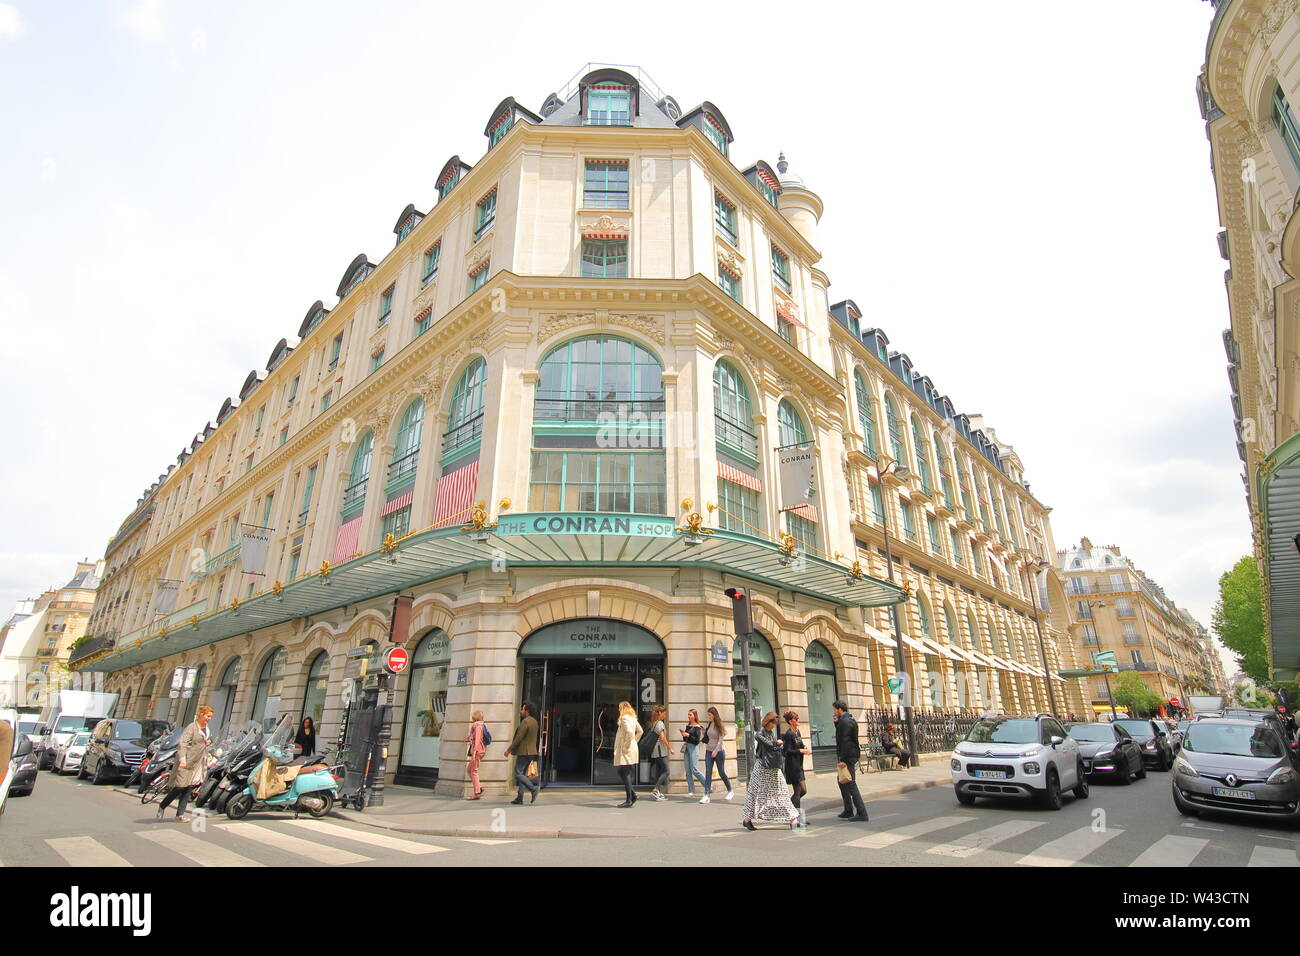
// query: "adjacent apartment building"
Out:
[37,641]
[597,380]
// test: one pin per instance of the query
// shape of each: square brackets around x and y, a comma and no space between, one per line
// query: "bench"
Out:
[874,760]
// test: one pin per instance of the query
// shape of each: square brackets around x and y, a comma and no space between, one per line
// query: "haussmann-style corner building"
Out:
[600,318]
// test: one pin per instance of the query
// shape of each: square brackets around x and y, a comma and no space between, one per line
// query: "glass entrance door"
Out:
[615,681]
[571,688]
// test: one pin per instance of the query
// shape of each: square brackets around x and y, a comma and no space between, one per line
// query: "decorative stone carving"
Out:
[606,225]
[731,260]
[479,256]
[648,325]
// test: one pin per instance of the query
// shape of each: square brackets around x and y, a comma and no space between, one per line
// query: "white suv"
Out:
[1018,757]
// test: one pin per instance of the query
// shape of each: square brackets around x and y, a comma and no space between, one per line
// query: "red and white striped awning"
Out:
[736,476]
[347,541]
[455,495]
[807,512]
[398,503]
[592,234]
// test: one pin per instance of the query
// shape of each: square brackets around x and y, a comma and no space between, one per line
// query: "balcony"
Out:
[56,627]
[403,467]
[92,646]
[355,494]
[302,517]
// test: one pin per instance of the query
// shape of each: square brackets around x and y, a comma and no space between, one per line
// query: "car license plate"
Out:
[991,774]
[1238,794]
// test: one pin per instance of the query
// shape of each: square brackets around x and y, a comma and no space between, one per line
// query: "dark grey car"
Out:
[1241,767]
[1152,738]
[1108,751]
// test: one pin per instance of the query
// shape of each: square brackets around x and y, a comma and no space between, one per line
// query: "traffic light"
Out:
[741,615]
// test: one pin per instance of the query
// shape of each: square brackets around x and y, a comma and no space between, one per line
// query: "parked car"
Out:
[1020,757]
[68,712]
[1175,735]
[67,758]
[1237,766]
[21,762]
[117,746]
[1108,751]
[1153,737]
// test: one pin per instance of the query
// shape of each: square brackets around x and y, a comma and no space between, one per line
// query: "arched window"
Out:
[798,521]
[972,631]
[142,704]
[270,685]
[194,687]
[223,697]
[923,614]
[945,471]
[922,455]
[762,670]
[896,448]
[823,691]
[359,479]
[866,414]
[951,624]
[739,485]
[313,702]
[733,414]
[465,416]
[994,646]
[598,429]
[406,447]
[426,710]
[963,485]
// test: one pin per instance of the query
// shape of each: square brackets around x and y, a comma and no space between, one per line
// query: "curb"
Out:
[563,833]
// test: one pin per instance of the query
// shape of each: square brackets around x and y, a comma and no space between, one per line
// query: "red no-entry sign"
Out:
[396,660]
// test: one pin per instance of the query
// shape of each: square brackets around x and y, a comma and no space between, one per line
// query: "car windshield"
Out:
[1136,728]
[80,740]
[1093,733]
[1004,730]
[142,729]
[28,726]
[1237,740]
[68,725]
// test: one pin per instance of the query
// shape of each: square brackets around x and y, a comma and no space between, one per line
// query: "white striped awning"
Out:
[980,659]
[1000,663]
[347,541]
[737,476]
[455,495]
[915,644]
[961,652]
[937,648]
[398,503]
[879,636]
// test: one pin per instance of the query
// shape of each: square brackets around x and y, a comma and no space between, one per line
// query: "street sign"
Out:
[396,659]
[1105,660]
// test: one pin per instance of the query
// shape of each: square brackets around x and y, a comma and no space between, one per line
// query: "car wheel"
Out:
[98,778]
[1052,795]
[1141,772]
[1081,788]
[1127,776]
[81,771]
[966,799]
[1166,760]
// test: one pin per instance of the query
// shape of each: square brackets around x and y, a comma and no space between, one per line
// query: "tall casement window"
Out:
[478,278]
[972,632]
[609,104]
[729,281]
[605,184]
[336,347]
[406,447]
[945,470]
[963,484]
[486,214]
[922,456]
[431,257]
[733,413]
[354,496]
[306,496]
[465,416]
[932,529]
[950,623]
[785,329]
[604,258]
[1286,127]
[423,321]
[598,429]
[780,269]
[739,485]
[877,504]
[895,428]
[976,561]
[724,218]
[792,431]
[958,558]
[386,305]
[293,390]
[909,518]
[866,414]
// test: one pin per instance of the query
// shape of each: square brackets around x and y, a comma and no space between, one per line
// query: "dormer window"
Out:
[446,185]
[713,129]
[407,221]
[765,181]
[451,174]
[609,104]
[500,128]
[781,269]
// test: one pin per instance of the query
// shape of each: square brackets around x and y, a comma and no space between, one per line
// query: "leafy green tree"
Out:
[1131,692]
[1239,618]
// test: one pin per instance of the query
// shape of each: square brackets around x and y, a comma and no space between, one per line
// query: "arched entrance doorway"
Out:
[223,698]
[270,686]
[823,691]
[426,709]
[576,672]
[762,677]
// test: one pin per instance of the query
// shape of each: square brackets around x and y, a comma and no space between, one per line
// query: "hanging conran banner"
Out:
[252,552]
[164,597]
[796,469]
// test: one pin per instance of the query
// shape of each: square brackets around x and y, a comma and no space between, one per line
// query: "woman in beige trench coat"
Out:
[188,770]
[626,753]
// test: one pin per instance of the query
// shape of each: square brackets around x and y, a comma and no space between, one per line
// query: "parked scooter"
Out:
[237,742]
[156,758]
[281,783]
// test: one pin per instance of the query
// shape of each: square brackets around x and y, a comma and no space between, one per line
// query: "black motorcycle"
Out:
[235,742]
[156,758]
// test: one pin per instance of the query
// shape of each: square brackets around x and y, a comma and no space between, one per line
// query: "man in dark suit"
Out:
[847,752]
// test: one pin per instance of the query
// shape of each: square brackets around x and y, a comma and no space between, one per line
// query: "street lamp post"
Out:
[1038,567]
[1110,698]
[900,471]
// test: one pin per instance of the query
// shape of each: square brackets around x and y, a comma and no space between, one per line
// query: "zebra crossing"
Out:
[302,842]
[1074,847]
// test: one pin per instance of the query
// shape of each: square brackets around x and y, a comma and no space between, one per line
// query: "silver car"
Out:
[1237,766]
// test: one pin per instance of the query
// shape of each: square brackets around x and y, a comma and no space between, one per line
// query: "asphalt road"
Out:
[72,823]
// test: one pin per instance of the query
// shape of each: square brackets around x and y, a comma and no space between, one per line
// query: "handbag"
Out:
[531,773]
[842,773]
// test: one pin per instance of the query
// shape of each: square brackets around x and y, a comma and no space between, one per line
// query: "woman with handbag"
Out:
[793,750]
[660,752]
[626,753]
[767,798]
[477,740]
[692,735]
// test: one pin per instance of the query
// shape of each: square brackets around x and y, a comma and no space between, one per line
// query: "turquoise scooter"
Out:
[312,793]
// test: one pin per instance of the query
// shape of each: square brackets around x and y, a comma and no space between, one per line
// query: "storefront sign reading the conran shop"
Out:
[570,523]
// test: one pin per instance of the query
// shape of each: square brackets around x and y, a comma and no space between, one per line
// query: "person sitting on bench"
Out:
[891,744]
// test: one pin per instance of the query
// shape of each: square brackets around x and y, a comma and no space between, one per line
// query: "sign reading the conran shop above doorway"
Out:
[591,637]
[561,522]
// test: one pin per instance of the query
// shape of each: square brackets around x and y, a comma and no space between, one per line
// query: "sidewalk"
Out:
[593,813]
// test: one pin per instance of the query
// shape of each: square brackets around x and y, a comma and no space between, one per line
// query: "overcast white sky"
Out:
[1018,193]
